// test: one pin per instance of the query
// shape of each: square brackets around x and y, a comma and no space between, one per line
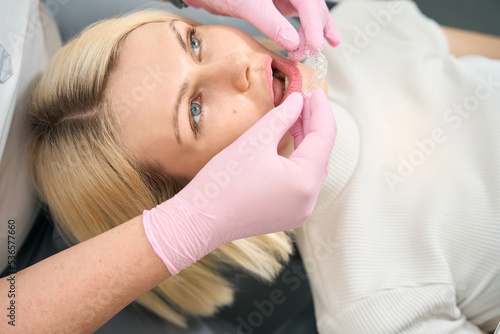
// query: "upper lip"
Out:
[289,70]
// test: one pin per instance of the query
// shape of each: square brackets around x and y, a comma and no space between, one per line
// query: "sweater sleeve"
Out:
[425,309]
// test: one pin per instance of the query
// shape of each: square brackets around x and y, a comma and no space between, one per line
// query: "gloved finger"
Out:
[331,32]
[273,126]
[274,25]
[306,116]
[317,145]
[305,121]
[296,56]
[297,132]
[311,17]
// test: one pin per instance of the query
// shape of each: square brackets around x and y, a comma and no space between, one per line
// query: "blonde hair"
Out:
[90,184]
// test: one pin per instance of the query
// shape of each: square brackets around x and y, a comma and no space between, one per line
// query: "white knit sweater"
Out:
[405,237]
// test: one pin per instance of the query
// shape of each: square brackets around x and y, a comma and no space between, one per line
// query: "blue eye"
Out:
[195,113]
[195,45]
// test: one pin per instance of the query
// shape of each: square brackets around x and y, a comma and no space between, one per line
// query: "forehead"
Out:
[146,42]
[150,56]
[141,87]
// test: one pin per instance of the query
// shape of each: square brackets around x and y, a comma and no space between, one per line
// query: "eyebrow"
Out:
[179,37]
[175,116]
[182,91]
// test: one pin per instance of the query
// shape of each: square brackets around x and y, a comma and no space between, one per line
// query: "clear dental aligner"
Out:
[315,59]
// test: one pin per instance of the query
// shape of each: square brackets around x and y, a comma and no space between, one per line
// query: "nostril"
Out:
[240,67]
[247,76]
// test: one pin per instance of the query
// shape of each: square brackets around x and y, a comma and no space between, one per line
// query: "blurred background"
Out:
[73,15]
[481,16]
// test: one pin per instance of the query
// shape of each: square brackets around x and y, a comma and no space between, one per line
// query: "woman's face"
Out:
[181,97]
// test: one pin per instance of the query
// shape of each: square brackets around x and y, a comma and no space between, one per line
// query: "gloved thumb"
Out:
[272,127]
[319,133]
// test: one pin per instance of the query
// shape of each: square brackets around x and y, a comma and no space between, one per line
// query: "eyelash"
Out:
[191,35]
[195,124]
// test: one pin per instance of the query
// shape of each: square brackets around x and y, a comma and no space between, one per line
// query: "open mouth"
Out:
[280,83]
[285,79]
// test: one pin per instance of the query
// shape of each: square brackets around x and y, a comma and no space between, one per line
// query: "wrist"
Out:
[179,233]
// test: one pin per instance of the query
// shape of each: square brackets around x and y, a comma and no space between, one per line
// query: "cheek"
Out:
[242,120]
[238,122]
[308,74]
[236,117]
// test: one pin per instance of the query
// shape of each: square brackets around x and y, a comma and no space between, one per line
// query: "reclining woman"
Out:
[136,106]
[130,111]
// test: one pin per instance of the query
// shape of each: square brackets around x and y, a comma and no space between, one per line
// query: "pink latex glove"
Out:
[247,189]
[269,17]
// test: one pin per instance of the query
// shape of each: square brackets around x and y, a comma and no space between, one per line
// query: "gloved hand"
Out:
[247,189]
[268,17]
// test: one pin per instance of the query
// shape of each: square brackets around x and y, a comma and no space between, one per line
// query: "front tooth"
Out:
[287,81]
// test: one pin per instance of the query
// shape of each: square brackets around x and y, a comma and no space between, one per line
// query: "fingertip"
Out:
[332,33]
[334,39]
[285,116]
[287,37]
[296,57]
[313,33]
[292,106]
[295,96]
[316,97]
[294,101]
[305,45]
[317,43]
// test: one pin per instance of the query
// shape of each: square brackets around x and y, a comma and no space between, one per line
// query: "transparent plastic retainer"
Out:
[315,59]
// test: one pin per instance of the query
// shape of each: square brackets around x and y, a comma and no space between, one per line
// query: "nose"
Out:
[232,71]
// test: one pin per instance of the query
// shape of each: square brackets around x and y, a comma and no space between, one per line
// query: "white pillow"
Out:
[28,38]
